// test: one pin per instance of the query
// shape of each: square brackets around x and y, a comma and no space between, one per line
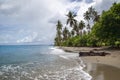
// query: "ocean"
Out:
[36,62]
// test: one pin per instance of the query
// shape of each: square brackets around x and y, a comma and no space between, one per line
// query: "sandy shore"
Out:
[100,67]
[113,59]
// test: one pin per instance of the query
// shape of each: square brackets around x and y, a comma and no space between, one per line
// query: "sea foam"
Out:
[57,65]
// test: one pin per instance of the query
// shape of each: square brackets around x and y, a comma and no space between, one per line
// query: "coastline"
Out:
[99,67]
[112,60]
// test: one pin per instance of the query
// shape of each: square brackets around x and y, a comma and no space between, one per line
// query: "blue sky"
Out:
[33,21]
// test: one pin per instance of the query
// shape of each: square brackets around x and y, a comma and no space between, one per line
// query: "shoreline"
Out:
[99,67]
[112,60]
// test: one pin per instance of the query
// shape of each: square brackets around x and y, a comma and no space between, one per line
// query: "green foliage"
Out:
[105,31]
[108,27]
[58,38]
[74,41]
[71,19]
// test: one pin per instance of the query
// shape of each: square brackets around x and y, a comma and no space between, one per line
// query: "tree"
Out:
[105,30]
[76,29]
[72,33]
[95,16]
[59,25]
[81,26]
[87,16]
[91,14]
[71,19]
[108,27]
[58,38]
[65,33]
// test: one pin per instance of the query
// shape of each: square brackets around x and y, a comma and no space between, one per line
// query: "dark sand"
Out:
[100,67]
[103,72]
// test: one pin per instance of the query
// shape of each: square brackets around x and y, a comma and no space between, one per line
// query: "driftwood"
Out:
[92,53]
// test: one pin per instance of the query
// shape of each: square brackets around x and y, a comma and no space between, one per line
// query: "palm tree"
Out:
[95,16]
[88,28]
[91,11]
[91,14]
[65,33]
[84,32]
[71,19]
[58,38]
[69,35]
[87,16]
[72,32]
[59,25]
[76,29]
[81,26]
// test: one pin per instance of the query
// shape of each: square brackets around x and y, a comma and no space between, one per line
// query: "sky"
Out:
[34,21]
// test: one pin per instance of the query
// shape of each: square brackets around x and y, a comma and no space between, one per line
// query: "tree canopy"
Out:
[105,30]
[108,27]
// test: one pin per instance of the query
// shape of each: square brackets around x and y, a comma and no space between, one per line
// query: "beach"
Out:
[100,67]
[33,62]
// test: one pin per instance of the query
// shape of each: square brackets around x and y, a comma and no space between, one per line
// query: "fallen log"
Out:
[92,53]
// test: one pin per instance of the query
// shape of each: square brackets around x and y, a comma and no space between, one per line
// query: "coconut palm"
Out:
[93,14]
[76,29]
[88,28]
[65,33]
[87,16]
[96,16]
[81,26]
[59,25]
[84,32]
[71,19]
[58,38]
[72,32]
[91,10]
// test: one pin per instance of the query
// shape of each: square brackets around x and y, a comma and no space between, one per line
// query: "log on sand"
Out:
[92,53]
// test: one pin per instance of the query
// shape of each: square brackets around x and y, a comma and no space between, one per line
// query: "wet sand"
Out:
[103,72]
[100,67]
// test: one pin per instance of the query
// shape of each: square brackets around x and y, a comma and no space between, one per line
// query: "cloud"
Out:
[33,21]
[29,38]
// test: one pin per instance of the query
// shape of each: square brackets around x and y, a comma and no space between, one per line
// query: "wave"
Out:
[39,71]
[18,73]
[56,50]
[73,56]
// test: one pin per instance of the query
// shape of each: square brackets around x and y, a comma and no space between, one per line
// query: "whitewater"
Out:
[40,63]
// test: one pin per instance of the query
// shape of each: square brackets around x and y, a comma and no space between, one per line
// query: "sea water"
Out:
[34,62]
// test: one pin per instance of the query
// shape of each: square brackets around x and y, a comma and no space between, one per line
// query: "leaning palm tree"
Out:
[71,19]
[81,26]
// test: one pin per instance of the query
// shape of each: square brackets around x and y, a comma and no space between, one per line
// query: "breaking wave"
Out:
[67,66]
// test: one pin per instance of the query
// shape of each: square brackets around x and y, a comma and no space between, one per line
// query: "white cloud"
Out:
[29,38]
[34,20]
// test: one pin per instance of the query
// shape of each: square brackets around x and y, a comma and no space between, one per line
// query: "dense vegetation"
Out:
[105,30]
